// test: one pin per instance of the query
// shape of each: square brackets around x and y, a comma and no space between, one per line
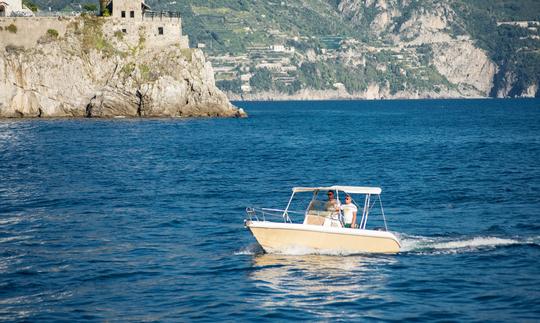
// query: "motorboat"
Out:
[324,224]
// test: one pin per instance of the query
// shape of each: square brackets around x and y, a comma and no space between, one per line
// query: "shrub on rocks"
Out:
[12,28]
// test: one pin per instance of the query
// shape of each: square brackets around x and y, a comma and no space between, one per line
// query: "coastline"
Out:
[236,102]
[264,98]
[293,98]
[336,95]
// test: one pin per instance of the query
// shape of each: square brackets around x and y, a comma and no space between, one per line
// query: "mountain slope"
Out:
[367,48]
[506,30]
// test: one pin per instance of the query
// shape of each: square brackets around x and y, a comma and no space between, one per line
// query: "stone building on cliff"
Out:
[132,19]
[13,8]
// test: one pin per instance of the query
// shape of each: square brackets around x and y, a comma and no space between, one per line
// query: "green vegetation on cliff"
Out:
[513,48]
[318,30]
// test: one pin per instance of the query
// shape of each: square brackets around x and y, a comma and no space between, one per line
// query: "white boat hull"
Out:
[275,237]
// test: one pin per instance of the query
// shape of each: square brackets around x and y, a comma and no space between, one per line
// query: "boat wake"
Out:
[252,249]
[411,244]
[446,245]
[255,249]
[301,251]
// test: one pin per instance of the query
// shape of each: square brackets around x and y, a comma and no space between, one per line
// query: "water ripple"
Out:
[141,220]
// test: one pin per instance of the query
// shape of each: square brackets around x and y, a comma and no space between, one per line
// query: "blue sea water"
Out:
[142,220]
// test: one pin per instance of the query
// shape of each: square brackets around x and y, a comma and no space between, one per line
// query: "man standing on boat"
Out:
[349,212]
[332,204]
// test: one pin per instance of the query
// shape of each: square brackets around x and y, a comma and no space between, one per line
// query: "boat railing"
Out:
[260,214]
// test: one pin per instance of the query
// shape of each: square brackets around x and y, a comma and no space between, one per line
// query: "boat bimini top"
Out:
[314,209]
[346,189]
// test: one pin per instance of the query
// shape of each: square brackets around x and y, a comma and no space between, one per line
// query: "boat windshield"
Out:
[323,208]
[317,205]
[323,205]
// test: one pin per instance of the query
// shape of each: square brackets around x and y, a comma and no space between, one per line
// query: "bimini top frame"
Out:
[346,189]
[368,191]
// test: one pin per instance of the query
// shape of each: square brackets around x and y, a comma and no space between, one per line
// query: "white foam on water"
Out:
[16,238]
[412,244]
[255,249]
[252,249]
[475,243]
[10,221]
[301,251]
[438,245]
[533,240]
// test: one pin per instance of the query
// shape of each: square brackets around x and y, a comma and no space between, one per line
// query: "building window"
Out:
[123,14]
[160,30]
[132,14]
[124,30]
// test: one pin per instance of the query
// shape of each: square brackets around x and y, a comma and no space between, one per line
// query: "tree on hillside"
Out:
[30,5]
[261,80]
[90,7]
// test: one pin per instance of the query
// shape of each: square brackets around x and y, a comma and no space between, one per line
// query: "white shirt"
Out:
[348,211]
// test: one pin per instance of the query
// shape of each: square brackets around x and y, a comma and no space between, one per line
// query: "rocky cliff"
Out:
[85,73]
[431,26]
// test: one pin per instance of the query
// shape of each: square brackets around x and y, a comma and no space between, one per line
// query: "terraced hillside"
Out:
[367,48]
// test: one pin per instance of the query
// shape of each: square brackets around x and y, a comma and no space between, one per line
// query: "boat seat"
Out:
[326,214]
[329,222]
[314,219]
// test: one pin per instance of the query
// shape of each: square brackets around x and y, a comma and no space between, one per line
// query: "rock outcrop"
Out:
[87,74]
[465,65]
[468,70]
